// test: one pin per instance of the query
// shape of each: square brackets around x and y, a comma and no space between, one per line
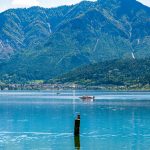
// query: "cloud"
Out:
[145,2]
[25,3]
[55,3]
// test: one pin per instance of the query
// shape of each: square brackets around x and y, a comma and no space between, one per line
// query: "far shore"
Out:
[70,86]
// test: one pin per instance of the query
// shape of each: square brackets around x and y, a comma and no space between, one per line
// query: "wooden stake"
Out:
[77,126]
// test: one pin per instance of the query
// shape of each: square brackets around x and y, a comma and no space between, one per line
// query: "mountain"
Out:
[109,73]
[27,28]
[39,43]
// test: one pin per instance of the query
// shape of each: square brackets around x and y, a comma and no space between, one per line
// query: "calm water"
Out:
[44,121]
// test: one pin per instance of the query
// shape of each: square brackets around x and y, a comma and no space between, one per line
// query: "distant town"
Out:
[66,86]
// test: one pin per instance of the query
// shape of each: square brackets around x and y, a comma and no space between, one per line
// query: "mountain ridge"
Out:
[64,38]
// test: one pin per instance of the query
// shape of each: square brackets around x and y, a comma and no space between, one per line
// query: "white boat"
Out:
[87,98]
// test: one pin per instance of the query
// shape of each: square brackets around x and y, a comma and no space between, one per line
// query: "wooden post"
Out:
[77,126]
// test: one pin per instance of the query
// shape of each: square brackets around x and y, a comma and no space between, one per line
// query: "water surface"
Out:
[43,120]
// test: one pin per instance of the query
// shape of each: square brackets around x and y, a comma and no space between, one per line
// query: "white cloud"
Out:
[6,4]
[145,2]
[55,3]
[25,3]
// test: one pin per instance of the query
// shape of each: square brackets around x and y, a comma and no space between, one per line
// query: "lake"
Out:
[44,120]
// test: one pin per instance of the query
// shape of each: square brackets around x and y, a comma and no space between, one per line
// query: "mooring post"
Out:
[77,126]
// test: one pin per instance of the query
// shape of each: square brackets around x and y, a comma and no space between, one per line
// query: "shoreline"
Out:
[46,87]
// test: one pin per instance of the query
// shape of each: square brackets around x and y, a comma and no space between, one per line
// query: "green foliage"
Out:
[115,72]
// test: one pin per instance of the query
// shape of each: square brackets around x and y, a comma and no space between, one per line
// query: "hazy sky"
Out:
[6,4]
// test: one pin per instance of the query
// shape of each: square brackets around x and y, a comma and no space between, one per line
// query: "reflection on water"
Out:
[38,121]
[77,142]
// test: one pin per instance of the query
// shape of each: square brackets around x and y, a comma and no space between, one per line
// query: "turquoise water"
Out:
[44,120]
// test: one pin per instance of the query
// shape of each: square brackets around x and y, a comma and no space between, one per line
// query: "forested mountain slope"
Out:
[39,43]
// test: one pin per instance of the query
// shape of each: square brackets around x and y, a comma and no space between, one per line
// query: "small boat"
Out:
[87,98]
[58,93]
